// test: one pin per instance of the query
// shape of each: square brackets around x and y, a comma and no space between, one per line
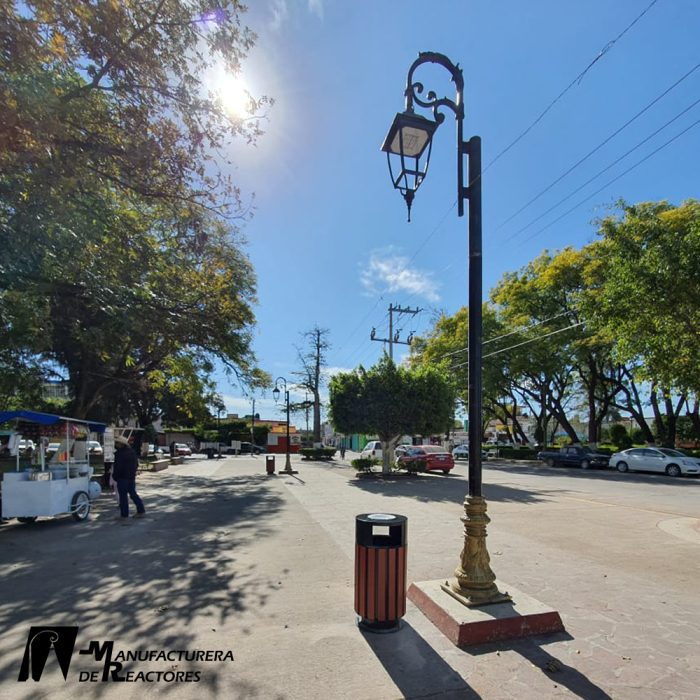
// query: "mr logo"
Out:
[40,642]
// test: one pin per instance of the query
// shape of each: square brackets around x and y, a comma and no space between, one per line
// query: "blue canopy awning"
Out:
[49,419]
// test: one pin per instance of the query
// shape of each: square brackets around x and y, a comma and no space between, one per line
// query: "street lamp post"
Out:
[408,145]
[276,393]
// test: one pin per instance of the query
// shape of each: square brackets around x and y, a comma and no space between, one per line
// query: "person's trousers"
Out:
[126,488]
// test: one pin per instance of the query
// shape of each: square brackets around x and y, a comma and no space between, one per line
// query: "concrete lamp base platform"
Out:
[523,616]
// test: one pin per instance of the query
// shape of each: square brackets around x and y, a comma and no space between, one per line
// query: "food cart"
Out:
[46,486]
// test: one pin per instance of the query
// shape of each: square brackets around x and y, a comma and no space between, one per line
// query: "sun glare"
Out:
[234,96]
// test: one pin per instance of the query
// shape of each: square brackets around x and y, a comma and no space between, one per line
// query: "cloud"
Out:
[280,12]
[389,271]
[330,371]
[316,8]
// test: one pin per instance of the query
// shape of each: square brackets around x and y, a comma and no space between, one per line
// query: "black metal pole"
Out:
[286,395]
[473,148]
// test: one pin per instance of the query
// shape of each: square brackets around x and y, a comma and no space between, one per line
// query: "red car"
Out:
[436,458]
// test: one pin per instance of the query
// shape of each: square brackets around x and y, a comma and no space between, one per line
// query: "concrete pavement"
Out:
[230,559]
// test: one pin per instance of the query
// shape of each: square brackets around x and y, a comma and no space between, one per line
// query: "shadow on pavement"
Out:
[415,668]
[431,487]
[557,671]
[149,578]
[597,474]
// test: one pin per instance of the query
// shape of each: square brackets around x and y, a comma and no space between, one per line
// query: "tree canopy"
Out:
[122,270]
[391,401]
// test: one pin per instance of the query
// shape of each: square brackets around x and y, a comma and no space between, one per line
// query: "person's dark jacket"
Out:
[125,463]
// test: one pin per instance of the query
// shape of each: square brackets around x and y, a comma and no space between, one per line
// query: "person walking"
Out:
[124,473]
[342,451]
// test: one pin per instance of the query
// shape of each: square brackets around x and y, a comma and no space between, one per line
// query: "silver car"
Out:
[655,459]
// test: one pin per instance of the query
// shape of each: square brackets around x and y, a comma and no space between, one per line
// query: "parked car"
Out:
[655,459]
[461,452]
[436,458]
[372,450]
[94,448]
[401,450]
[574,456]
[25,445]
[182,449]
[51,449]
[249,448]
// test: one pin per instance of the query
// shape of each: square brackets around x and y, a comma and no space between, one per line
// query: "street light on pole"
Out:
[276,393]
[408,145]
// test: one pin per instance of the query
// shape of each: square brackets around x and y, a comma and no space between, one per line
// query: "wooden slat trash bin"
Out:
[380,570]
[270,464]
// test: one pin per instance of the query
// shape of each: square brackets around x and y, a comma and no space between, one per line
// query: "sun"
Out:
[234,95]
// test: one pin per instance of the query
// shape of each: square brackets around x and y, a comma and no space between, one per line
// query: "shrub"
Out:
[317,452]
[364,464]
[619,436]
[414,466]
[637,436]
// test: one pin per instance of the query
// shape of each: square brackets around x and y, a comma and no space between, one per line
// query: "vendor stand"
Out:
[59,485]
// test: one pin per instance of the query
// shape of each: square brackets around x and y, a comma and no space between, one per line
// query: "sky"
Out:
[329,239]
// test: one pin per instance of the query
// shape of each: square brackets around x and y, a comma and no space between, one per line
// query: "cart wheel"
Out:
[80,505]
[27,519]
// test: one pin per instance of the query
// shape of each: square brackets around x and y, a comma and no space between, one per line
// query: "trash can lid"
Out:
[381,518]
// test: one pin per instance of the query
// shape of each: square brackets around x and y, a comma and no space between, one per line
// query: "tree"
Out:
[118,261]
[647,296]
[312,360]
[391,401]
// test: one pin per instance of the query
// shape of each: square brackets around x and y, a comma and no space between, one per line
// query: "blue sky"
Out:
[329,239]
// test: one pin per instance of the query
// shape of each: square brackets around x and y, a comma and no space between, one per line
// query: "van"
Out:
[372,450]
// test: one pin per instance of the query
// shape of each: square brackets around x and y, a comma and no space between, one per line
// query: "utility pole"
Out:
[393,338]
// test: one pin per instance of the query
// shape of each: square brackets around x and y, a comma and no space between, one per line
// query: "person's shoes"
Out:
[140,515]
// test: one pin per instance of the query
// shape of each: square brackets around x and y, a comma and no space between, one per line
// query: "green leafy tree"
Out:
[391,401]
[648,296]
[120,256]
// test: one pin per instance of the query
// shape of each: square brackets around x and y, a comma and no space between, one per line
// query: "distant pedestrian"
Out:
[124,473]
[342,452]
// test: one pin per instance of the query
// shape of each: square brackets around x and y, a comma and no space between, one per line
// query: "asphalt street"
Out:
[230,559]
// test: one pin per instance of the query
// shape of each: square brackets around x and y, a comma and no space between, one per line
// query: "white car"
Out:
[372,450]
[94,448]
[461,452]
[655,459]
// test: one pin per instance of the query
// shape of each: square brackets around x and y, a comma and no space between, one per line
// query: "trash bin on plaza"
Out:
[380,570]
[270,464]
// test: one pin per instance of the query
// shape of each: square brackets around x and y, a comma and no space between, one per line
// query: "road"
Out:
[229,558]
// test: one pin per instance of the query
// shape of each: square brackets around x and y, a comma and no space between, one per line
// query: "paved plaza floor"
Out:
[229,559]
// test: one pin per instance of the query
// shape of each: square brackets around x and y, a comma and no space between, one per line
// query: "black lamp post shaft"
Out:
[473,147]
[286,397]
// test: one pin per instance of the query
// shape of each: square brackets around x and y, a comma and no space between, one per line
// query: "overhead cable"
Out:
[598,147]
[575,81]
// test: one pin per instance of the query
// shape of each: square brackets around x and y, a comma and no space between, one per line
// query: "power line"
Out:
[575,81]
[610,182]
[525,342]
[597,148]
[505,335]
[604,170]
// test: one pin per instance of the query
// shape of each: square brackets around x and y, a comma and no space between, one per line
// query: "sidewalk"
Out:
[230,559]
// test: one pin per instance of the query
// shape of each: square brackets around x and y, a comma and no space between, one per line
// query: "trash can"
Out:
[380,570]
[270,464]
